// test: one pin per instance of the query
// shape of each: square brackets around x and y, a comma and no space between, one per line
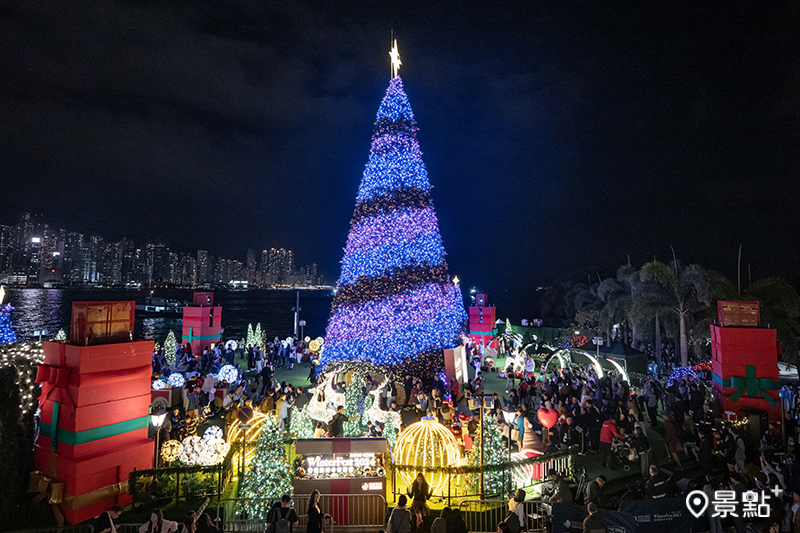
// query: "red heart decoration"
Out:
[548,417]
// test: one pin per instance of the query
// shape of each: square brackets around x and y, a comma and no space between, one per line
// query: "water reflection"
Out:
[37,309]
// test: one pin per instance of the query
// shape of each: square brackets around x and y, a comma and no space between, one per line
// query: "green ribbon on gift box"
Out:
[191,337]
[750,385]
[75,438]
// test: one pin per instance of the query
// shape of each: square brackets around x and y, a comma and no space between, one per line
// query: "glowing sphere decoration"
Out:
[176,380]
[228,373]
[212,432]
[191,450]
[314,346]
[160,384]
[231,345]
[428,444]
[171,450]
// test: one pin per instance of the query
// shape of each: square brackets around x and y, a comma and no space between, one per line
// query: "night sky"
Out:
[557,138]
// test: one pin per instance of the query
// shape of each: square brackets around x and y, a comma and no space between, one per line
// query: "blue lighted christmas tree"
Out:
[395,303]
[7,335]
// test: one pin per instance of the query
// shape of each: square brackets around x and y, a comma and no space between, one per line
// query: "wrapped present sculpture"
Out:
[202,322]
[745,360]
[95,403]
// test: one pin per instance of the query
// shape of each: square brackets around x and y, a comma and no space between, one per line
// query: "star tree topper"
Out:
[395,56]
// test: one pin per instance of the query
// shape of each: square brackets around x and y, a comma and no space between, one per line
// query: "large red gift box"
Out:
[745,366]
[202,326]
[95,405]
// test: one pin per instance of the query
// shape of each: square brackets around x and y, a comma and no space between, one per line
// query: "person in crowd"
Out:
[608,433]
[420,492]
[157,524]
[315,514]
[107,522]
[336,425]
[594,523]
[657,486]
[594,491]
[561,491]
[439,524]
[641,444]
[400,519]
[283,518]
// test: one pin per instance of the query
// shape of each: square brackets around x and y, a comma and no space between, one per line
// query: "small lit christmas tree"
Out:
[60,336]
[258,338]
[7,335]
[251,337]
[390,431]
[354,396]
[269,475]
[493,449]
[302,425]
[169,347]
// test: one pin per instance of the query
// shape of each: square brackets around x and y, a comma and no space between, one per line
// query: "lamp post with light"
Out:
[509,415]
[157,417]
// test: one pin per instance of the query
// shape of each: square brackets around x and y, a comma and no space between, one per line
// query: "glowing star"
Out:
[395,55]
[456,281]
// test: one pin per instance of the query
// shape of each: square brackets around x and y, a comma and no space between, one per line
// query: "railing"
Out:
[523,473]
[80,528]
[349,512]
[482,516]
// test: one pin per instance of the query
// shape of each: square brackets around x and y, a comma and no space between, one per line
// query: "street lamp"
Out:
[509,415]
[157,417]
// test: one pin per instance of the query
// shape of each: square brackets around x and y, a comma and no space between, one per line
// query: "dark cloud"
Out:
[556,137]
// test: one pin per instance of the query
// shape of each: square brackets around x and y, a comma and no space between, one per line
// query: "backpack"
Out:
[279,523]
[512,523]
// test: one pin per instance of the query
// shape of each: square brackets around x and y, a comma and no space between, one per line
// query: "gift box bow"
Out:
[752,386]
[54,380]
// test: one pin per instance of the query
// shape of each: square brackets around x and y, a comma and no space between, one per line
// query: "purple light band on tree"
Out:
[389,330]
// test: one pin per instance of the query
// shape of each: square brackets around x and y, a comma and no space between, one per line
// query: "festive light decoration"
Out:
[191,448]
[258,338]
[426,444]
[681,372]
[352,428]
[228,373]
[176,379]
[171,450]
[251,434]
[7,335]
[212,432]
[314,346]
[395,304]
[160,384]
[251,336]
[269,475]
[494,453]
[169,347]
[302,427]
[24,357]
[60,336]
[390,429]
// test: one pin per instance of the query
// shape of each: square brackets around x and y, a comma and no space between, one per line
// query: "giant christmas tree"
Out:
[395,304]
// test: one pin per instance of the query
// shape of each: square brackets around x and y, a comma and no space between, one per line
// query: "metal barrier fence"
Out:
[482,516]
[80,528]
[348,511]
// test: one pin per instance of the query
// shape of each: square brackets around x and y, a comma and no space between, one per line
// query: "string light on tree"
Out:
[395,304]
[269,475]
[169,347]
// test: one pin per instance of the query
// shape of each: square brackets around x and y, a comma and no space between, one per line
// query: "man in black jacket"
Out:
[656,486]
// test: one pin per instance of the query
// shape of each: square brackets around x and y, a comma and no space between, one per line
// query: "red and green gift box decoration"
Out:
[745,367]
[202,322]
[95,404]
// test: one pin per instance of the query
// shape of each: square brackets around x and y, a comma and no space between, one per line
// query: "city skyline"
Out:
[32,252]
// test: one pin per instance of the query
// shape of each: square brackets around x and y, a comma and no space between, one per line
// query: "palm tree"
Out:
[681,291]
[780,309]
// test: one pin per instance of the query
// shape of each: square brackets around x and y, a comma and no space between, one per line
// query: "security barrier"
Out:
[482,516]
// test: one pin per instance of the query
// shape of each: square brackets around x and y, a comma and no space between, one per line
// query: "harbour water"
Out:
[50,309]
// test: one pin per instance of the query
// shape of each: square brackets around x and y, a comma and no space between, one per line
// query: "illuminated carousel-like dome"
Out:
[426,444]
